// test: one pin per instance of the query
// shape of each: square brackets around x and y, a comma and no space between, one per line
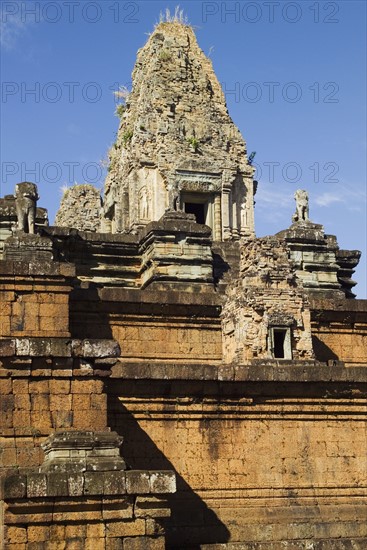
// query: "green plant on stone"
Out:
[165,55]
[126,137]
[193,142]
[120,109]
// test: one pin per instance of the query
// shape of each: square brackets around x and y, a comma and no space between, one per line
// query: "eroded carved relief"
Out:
[143,204]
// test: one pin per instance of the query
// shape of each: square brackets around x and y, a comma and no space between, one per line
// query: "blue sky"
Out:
[293,74]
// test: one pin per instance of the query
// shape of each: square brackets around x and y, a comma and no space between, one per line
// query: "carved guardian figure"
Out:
[26,196]
[301,214]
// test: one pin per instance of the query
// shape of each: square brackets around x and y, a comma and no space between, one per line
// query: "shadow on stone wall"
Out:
[88,316]
[192,523]
[322,351]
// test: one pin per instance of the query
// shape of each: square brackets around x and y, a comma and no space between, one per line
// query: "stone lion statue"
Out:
[301,214]
[26,197]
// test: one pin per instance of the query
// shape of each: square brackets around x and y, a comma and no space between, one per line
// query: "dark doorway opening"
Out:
[279,340]
[198,209]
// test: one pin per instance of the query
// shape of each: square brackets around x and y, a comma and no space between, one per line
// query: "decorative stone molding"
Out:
[81,451]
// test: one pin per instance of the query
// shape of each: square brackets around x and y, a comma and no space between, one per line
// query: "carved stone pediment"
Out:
[202,182]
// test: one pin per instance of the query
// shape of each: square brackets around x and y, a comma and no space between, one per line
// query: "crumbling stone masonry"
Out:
[80,208]
[266,314]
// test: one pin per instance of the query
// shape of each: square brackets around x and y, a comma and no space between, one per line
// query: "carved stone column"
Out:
[235,233]
[217,233]
[226,228]
[250,185]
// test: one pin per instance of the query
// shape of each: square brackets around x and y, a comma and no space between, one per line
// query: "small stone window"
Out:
[280,342]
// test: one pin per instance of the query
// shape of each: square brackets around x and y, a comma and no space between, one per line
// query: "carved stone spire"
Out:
[177,146]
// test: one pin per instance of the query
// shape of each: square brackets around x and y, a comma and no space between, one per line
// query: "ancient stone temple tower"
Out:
[177,147]
[165,385]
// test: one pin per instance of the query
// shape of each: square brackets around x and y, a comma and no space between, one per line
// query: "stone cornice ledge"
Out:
[261,371]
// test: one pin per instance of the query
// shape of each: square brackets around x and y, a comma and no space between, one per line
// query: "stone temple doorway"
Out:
[198,209]
[199,204]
